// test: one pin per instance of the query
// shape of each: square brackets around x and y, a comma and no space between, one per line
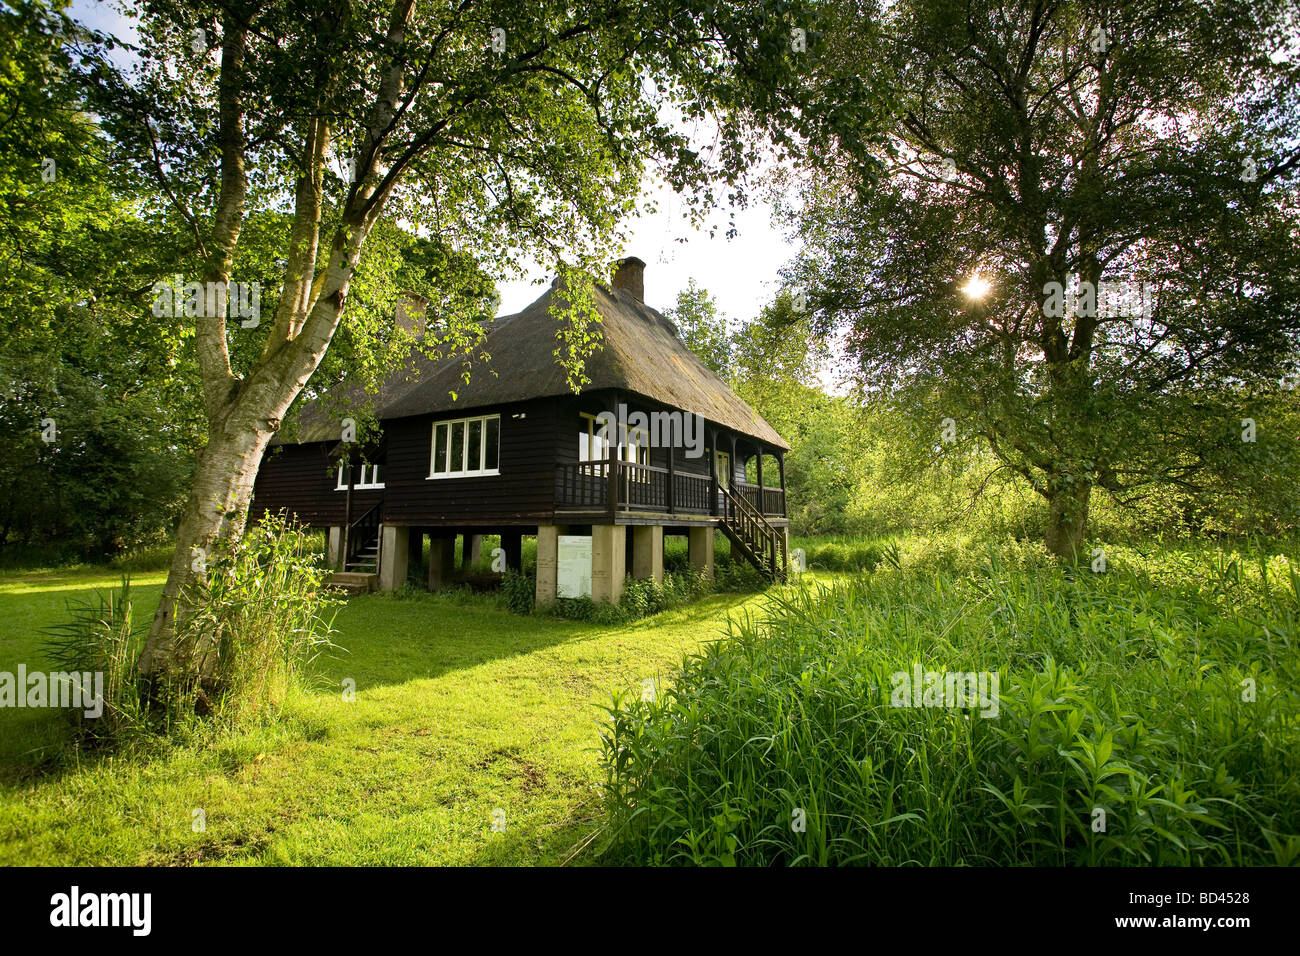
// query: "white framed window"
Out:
[593,442]
[466,447]
[371,477]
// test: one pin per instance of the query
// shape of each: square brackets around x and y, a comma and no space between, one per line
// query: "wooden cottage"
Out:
[655,444]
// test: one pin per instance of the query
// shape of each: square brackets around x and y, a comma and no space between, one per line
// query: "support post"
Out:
[713,473]
[470,549]
[648,552]
[700,550]
[672,476]
[414,553]
[512,543]
[762,498]
[612,492]
[548,562]
[392,557]
[785,505]
[334,548]
[608,562]
[442,559]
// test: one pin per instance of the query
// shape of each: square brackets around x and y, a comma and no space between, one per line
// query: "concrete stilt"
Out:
[608,562]
[548,540]
[393,556]
[414,555]
[442,560]
[512,543]
[701,550]
[470,549]
[334,548]
[648,552]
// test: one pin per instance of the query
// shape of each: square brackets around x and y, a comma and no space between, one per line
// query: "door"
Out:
[724,468]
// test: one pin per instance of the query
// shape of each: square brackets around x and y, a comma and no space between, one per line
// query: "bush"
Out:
[257,619]
[641,598]
[1120,691]
[519,592]
[101,639]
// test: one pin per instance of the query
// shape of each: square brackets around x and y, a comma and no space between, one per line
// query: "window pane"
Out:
[458,446]
[374,475]
[440,450]
[341,482]
[474,450]
[490,453]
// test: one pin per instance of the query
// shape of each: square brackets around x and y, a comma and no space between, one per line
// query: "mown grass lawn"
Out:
[460,710]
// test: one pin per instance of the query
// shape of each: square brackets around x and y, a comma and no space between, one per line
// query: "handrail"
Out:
[367,523]
[747,516]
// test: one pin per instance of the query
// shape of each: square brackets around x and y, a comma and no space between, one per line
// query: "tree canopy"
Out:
[1076,240]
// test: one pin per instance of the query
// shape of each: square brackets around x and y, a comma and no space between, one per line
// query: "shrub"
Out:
[101,639]
[1120,692]
[257,619]
[519,592]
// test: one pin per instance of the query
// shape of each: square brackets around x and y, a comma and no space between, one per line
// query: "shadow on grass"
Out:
[387,641]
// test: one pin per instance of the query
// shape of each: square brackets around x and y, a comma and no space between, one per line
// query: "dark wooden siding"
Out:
[301,480]
[524,492]
[535,437]
[571,408]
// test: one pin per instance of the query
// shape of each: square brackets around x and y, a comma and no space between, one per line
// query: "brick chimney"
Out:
[630,277]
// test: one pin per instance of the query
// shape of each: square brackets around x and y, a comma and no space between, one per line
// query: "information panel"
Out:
[573,578]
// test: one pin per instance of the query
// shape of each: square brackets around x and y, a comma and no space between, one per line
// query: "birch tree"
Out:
[498,130]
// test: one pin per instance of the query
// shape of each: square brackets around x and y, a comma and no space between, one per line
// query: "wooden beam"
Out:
[672,474]
[713,472]
[612,468]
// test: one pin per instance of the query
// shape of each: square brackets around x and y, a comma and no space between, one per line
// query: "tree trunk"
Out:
[1067,518]
[217,508]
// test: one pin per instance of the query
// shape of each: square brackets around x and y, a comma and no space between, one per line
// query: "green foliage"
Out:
[100,638]
[702,327]
[1124,691]
[261,614]
[519,591]
[94,413]
[643,598]
[1023,151]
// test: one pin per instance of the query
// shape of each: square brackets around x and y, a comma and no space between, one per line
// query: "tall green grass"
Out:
[1127,731]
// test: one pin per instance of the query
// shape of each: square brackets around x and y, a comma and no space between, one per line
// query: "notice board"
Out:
[573,578]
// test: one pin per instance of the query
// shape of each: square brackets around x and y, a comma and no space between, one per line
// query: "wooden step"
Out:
[355,582]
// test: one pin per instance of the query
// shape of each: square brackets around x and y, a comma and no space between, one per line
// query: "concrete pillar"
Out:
[470,549]
[512,543]
[442,559]
[700,549]
[548,562]
[608,562]
[648,552]
[334,547]
[393,555]
[414,554]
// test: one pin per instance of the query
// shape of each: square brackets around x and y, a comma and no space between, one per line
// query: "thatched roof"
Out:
[641,355]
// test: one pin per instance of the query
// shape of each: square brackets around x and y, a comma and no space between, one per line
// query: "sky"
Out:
[741,272]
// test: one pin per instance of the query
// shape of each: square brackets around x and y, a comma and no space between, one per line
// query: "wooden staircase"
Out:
[753,536]
[361,554]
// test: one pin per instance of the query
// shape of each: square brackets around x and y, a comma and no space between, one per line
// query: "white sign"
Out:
[573,578]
